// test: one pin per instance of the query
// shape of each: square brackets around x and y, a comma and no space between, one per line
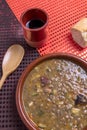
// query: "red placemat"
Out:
[62,15]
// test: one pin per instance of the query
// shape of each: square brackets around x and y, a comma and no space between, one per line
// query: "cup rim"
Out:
[36,29]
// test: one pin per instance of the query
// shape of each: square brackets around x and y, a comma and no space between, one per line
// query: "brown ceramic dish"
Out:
[20,105]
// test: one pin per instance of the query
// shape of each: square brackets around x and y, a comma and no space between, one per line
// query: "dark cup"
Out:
[34,22]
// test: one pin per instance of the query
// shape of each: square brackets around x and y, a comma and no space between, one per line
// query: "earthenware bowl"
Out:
[26,120]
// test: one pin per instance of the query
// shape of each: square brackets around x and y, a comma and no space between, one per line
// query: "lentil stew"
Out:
[54,95]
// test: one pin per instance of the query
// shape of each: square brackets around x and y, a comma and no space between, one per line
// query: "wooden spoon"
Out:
[11,61]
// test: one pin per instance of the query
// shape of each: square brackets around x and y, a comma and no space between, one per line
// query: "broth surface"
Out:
[55,95]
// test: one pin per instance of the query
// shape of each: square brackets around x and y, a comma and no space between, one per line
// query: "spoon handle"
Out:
[2,80]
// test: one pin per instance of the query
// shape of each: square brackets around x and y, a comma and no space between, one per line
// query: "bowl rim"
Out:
[19,104]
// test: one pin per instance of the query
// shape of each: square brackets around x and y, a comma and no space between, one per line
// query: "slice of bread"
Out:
[79,32]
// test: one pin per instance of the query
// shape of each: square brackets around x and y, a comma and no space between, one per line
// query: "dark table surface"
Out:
[11,33]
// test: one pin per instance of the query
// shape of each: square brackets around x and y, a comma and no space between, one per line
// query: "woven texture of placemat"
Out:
[10,34]
[62,15]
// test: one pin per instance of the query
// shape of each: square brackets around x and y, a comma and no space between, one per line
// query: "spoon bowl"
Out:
[11,61]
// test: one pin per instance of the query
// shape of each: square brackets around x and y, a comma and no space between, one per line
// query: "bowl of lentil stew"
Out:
[52,93]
